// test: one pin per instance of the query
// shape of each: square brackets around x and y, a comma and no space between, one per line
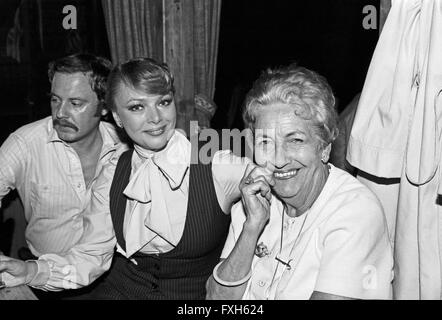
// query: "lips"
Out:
[156,131]
[284,175]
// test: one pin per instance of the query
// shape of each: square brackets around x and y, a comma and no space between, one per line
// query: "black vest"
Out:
[182,272]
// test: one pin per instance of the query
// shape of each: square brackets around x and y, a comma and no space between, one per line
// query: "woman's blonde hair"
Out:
[143,74]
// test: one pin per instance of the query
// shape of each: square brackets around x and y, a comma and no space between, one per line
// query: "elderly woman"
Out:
[305,229]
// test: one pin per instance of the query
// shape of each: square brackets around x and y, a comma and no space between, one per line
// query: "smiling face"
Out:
[287,144]
[75,107]
[148,119]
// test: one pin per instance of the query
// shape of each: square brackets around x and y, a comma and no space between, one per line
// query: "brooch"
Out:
[261,250]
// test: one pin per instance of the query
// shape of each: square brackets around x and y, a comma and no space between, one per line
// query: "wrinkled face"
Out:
[286,142]
[75,107]
[149,120]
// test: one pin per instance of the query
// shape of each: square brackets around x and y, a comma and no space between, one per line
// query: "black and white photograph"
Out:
[220,154]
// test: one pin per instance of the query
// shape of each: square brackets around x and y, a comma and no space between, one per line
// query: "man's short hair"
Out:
[96,68]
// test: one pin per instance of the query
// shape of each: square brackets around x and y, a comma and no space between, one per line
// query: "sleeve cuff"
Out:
[43,272]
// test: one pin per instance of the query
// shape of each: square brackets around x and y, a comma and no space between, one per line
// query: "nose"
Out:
[61,111]
[280,157]
[154,115]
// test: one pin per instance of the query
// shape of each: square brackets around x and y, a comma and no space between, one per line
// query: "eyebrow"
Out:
[142,99]
[52,94]
[134,100]
[295,132]
[292,133]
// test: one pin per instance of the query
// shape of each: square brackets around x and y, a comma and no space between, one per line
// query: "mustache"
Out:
[64,123]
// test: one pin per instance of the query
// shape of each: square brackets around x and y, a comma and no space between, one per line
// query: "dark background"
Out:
[24,85]
[324,35]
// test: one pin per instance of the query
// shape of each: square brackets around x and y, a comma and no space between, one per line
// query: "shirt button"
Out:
[79,185]
[261,283]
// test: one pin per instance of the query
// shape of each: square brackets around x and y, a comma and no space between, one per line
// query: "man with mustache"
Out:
[53,164]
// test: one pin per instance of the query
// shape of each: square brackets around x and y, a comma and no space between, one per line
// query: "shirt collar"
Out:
[110,138]
[52,133]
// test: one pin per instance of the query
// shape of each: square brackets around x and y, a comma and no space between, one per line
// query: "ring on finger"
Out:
[249,180]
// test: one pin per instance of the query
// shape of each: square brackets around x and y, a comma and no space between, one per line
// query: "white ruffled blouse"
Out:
[158,191]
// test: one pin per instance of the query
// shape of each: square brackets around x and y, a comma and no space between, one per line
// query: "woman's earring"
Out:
[324,159]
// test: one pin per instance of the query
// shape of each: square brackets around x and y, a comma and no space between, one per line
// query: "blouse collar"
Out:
[173,162]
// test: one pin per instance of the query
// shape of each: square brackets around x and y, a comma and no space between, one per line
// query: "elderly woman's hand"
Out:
[256,195]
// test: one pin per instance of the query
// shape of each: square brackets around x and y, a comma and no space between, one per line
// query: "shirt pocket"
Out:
[49,201]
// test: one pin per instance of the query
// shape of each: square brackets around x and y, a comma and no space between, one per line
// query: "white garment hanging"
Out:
[396,134]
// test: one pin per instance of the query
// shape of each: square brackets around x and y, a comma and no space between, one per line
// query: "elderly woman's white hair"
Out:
[309,93]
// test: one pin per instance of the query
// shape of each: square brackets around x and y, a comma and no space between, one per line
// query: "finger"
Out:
[269,169]
[246,176]
[264,202]
[250,167]
[255,187]
[265,191]
[267,194]
[264,172]
[267,179]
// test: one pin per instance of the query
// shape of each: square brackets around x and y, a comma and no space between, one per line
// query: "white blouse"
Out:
[339,246]
[158,190]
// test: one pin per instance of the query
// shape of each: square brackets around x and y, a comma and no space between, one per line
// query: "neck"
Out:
[149,153]
[299,204]
[91,142]
[143,152]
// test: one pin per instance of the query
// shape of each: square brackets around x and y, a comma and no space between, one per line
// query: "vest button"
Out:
[154,286]
[156,266]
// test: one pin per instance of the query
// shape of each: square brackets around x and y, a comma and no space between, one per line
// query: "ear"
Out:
[102,108]
[325,155]
[104,112]
[117,119]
